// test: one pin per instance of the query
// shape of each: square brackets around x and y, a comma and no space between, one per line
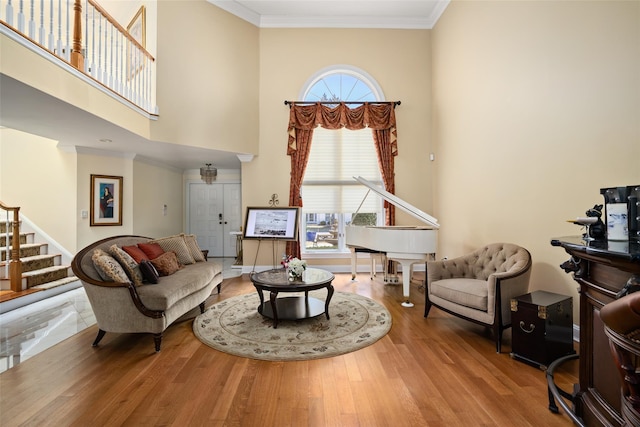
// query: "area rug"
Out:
[234,326]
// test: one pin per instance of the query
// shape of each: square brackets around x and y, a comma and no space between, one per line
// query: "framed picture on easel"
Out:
[271,223]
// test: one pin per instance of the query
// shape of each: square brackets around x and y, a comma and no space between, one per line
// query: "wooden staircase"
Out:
[41,270]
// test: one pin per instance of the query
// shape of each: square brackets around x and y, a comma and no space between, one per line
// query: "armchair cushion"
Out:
[467,292]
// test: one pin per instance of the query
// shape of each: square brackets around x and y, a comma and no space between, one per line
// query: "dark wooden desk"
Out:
[602,269]
[292,307]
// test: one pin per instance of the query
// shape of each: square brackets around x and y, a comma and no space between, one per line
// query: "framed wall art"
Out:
[271,223]
[137,29]
[106,200]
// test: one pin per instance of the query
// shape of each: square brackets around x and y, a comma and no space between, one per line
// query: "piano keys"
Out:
[407,245]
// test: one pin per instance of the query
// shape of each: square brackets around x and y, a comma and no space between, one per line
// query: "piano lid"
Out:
[407,207]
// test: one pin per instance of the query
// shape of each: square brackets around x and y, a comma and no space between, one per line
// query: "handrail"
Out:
[15,265]
[121,29]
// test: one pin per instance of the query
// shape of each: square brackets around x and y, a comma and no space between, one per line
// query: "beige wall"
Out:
[146,188]
[153,188]
[88,164]
[398,60]
[207,78]
[536,107]
[41,180]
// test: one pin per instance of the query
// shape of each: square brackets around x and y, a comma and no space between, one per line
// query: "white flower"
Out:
[297,267]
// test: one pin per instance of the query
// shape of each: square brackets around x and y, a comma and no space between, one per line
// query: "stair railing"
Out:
[14,264]
[82,34]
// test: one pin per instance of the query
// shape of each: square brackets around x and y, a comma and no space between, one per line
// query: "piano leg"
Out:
[354,263]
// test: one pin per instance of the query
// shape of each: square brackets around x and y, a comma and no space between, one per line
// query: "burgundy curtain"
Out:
[380,118]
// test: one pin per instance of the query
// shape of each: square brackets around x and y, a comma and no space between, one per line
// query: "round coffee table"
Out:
[292,307]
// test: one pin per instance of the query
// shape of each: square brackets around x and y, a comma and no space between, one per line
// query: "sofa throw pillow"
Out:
[108,268]
[129,264]
[192,243]
[149,272]
[135,253]
[151,250]
[166,264]
[177,245]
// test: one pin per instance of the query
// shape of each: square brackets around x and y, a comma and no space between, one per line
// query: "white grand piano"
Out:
[407,245]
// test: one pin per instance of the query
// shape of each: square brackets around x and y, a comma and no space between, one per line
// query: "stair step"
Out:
[37,262]
[26,250]
[3,226]
[40,261]
[56,283]
[44,275]
[25,237]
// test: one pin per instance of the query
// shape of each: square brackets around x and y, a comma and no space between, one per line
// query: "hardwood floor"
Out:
[439,371]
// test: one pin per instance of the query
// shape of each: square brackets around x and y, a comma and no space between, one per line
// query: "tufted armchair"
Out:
[479,286]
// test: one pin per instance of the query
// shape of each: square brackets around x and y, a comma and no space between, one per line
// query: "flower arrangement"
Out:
[295,267]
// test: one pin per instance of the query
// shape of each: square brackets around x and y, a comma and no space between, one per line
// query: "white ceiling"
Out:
[405,14]
[30,110]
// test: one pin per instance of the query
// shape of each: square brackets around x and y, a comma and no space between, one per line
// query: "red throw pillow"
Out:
[152,250]
[135,253]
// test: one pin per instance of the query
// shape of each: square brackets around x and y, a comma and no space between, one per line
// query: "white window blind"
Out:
[336,157]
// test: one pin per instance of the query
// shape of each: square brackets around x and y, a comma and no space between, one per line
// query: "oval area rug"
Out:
[234,326]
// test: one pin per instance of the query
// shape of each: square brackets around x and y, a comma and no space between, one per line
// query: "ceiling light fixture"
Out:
[208,174]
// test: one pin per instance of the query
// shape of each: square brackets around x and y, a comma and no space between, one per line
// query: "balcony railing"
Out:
[85,36]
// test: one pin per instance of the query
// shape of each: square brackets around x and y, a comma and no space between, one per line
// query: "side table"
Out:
[542,327]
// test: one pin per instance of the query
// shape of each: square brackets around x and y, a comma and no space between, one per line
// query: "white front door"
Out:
[214,211]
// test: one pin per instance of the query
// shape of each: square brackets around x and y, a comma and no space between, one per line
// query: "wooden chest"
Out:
[542,327]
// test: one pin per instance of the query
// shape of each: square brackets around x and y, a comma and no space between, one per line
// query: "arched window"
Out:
[331,195]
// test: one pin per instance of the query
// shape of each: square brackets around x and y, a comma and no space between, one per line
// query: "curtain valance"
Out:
[371,115]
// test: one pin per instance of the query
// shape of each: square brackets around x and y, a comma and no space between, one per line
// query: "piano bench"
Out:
[373,253]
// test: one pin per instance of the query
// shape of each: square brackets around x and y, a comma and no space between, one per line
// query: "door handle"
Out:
[220,218]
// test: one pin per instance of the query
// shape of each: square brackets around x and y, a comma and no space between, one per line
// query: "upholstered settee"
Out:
[124,302]
[479,286]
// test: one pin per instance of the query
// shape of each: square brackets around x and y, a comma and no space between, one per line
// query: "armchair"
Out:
[478,287]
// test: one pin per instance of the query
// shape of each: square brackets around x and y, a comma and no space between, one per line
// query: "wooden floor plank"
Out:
[438,371]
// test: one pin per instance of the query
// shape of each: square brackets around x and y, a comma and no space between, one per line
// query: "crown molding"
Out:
[309,21]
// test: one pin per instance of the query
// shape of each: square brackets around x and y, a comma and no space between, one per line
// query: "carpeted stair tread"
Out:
[45,270]
[38,262]
[43,275]
[26,250]
[56,283]
[24,238]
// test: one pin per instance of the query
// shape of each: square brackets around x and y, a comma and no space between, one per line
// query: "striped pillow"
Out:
[194,248]
[177,245]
